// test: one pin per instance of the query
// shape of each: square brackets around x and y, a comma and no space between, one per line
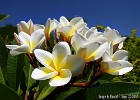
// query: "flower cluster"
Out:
[73,49]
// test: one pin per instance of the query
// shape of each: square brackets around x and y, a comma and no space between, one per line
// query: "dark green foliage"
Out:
[7,33]
[2,17]
[8,94]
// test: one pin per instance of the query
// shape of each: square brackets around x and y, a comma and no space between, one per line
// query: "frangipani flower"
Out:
[114,37]
[28,43]
[116,64]
[28,27]
[60,66]
[68,28]
[88,50]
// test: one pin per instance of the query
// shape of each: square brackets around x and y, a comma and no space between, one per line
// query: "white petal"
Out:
[78,22]
[78,41]
[41,74]
[96,54]
[106,57]
[126,67]
[99,39]
[45,58]
[110,67]
[38,26]
[36,37]
[67,31]
[50,25]
[120,45]
[39,44]
[11,46]
[24,38]
[94,29]
[90,49]
[64,21]
[119,40]
[111,34]
[23,26]
[83,30]
[60,52]
[119,55]
[90,35]
[63,78]
[75,64]
[20,49]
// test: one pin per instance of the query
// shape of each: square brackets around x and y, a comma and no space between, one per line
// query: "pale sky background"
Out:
[122,15]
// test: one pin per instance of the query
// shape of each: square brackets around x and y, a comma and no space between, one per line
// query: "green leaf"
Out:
[7,33]
[2,17]
[1,77]
[28,71]
[3,53]
[8,94]
[45,91]
[15,70]
[65,94]
[114,89]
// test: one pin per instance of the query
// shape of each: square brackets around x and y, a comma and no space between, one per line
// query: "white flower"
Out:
[28,43]
[88,50]
[114,37]
[116,64]
[59,66]
[68,28]
[28,27]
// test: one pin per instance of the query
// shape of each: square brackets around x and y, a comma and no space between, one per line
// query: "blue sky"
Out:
[122,15]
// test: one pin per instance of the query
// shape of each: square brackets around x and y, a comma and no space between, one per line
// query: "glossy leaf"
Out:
[2,17]
[6,93]
[112,89]
[1,77]
[15,70]
[45,91]
[66,94]
[7,33]
[28,70]
[3,53]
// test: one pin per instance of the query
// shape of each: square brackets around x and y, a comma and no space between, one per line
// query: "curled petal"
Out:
[97,51]
[20,49]
[23,26]
[67,30]
[120,55]
[78,22]
[119,40]
[24,38]
[110,67]
[125,67]
[62,79]
[64,21]
[111,34]
[11,46]
[41,74]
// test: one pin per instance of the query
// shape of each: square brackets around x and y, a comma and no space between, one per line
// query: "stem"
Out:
[56,36]
[33,60]
[88,83]
[26,95]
